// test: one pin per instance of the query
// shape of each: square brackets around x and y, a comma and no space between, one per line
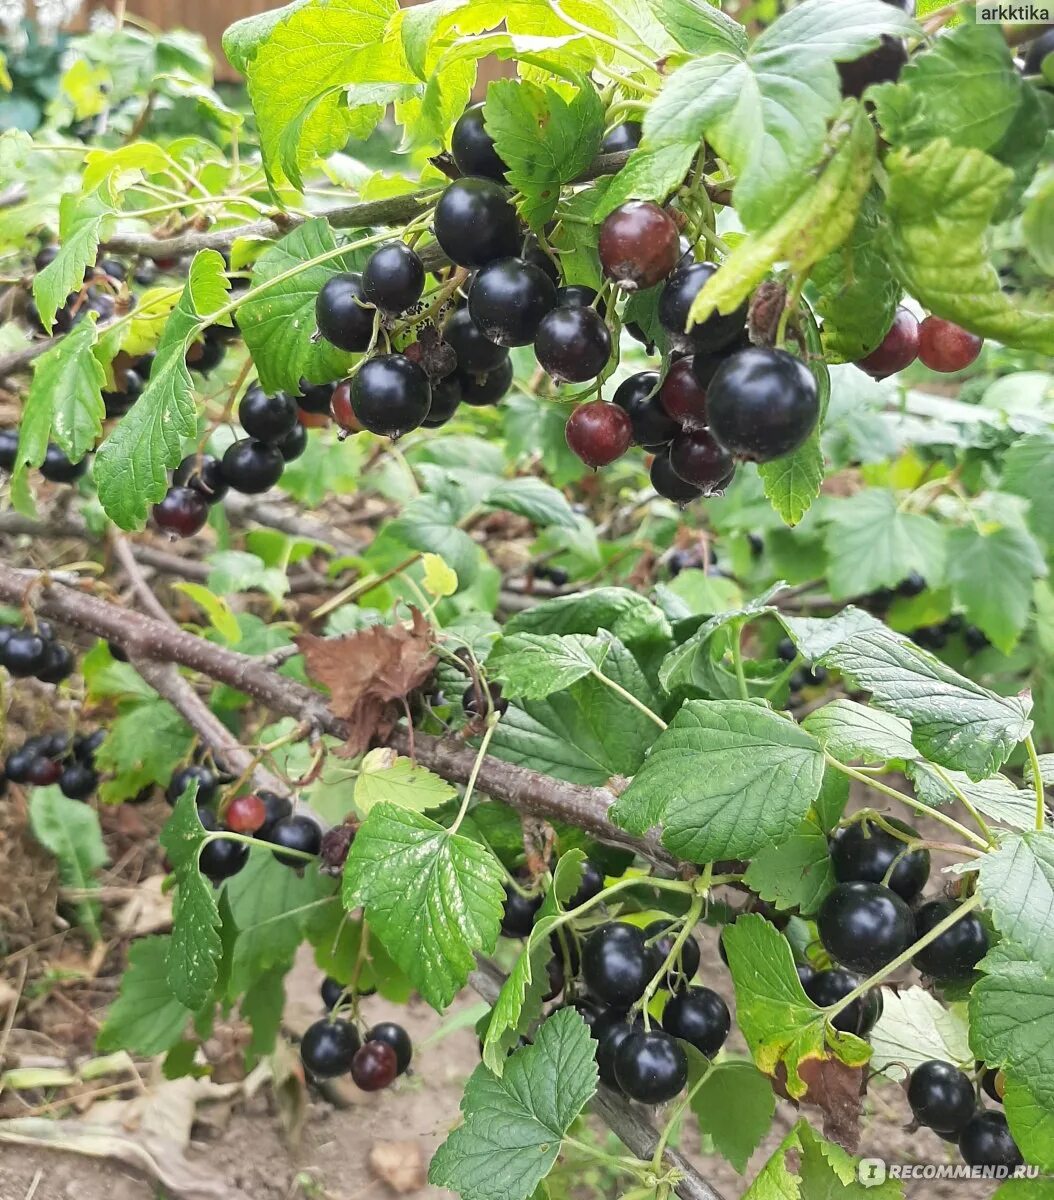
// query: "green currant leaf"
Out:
[849,730]
[1031,1123]
[84,220]
[146,1018]
[514,1126]
[734,1108]
[725,779]
[70,830]
[914,1028]
[242,39]
[135,762]
[814,636]
[528,496]
[261,1005]
[955,722]
[701,28]
[534,666]
[1027,465]
[1016,882]
[383,775]
[797,873]
[631,618]
[431,896]
[648,175]
[997,798]
[429,523]
[337,940]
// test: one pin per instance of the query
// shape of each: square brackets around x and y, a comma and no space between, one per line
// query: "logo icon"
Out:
[871,1172]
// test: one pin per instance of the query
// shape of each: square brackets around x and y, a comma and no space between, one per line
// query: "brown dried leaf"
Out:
[836,1089]
[369,673]
[400,1165]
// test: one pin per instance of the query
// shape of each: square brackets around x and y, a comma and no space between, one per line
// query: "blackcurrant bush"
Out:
[245,814]
[267,418]
[252,467]
[181,512]
[446,396]
[222,858]
[475,222]
[610,1029]
[508,300]
[897,350]
[957,951]
[864,926]
[639,396]
[8,449]
[651,1067]
[208,785]
[675,302]
[762,404]
[698,459]
[332,992]
[58,468]
[295,833]
[475,352]
[343,316]
[517,918]
[698,1016]
[24,653]
[327,1048]
[624,136]
[682,396]
[573,344]
[481,388]
[599,432]
[668,484]
[865,851]
[394,277]
[59,665]
[293,444]
[473,147]
[638,245]
[395,1036]
[276,809]
[986,1141]
[374,1066]
[825,988]
[660,936]
[578,295]
[941,1096]
[204,474]
[592,885]
[390,395]
[616,965]
[315,397]
[945,346]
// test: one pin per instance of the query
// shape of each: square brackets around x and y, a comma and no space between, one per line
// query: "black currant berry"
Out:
[599,432]
[43,772]
[682,396]
[293,444]
[698,1016]
[986,1141]
[8,449]
[276,808]
[315,397]
[343,316]
[268,418]
[675,302]
[699,460]
[660,936]
[295,833]
[881,65]
[638,245]
[806,973]
[994,1083]
[578,295]
[181,512]
[18,763]
[624,136]
[208,785]
[446,397]
[639,396]
[394,277]
[475,223]
[668,484]
[58,468]
[475,352]
[762,404]
[592,885]
[865,851]
[252,467]
[897,350]
[616,965]
[206,355]
[332,992]
[480,388]
[59,665]
[913,584]
[941,1096]
[535,254]
[374,1066]
[508,300]
[390,395]
[204,474]
[651,1067]
[610,1029]
[473,147]
[327,1048]
[945,346]
[517,918]
[395,1036]
[474,702]
[222,858]
[864,926]
[573,344]
[86,744]
[957,951]
[825,988]
[24,653]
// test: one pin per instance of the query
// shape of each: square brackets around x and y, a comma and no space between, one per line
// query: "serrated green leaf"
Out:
[237,571]
[84,220]
[220,614]
[1016,882]
[337,939]
[1031,1124]
[914,1028]
[514,1126]
[428,524]
[386,777]
[534,666]
[955,722]
[147,321]
[533,498]
[70,830]
[814,636]
[734,1108]
[795,873]
[997,798]
[700,27]
[136,761]
[242,39]
[793,482]
[725,779]
[849,730]
[431,896]
[131,467]
[634,620]
[991,576]
[1027,466]
[146,1018]
[648,175]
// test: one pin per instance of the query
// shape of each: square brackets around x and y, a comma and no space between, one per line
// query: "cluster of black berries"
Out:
[56,758]
[806,676]
[26,653]
[929,637]
[56,467]
[335,1046]
[945,1099]
[95,296]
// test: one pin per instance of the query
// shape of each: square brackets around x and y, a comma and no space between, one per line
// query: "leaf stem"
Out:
[1037,782]
[961,796]
[481,754]
[737,660]
[619,690]
[246,840]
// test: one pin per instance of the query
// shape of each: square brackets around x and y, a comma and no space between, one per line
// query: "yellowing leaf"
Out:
[219,611]
[399,781]
[440,580]
[148,319]
[86,87]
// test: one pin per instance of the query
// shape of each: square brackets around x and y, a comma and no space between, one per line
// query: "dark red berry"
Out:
[268,418]
[599,432]
[374,1066]
[475,223]
[675,302]
[252,467]
[43,771]
[204,475]
[699,460]
[638,245]
[473,147]
[340,407]
[181,512]
[343,316]
[762,404]
[508,300]
[395,1036]
[624,136]
[475,351]
[897,350]
[639,396]
[573,344]
[682,396]
[390,395]
[394,277]
[945,346]
[668,484]
[480,388]
[245,814]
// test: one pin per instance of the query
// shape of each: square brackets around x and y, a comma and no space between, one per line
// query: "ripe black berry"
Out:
[675,302]
[182,511]
[762,404]
[881,65]
[473,147]
[252,467]
[578,295]
[222,858]
[913,584]
[616,965]
[825,988]
[517,918]
[624,136]
[698,1016]
[475,223]
[18,763]
[668,484]
[332,992]
[698,459]
[475,352]
[480,388]
[610,1029]
[639,396]
[276,808]
[986,1141]
[660,936]
[24,653]
[267,418]
[295,833]
[343,316]
[865,851]
[1037,51]
[573,344]
[206,355]
[806,973]
[535,254]
[78,781]
[8,449]
[508,300]
[599,432]
[374,1066]
[86,744]
[945,346]
[446,396]
[390,395]
[327,1048]
[941,1096]
[58,468]
[682,396]
[206,780]
[592,885]
[315,398]
[864,926]
[475,703]
[651,1067]
[394,277]
[638,245]
[395,1036]
[958,950]
[897,350]
[293,444]
[204,474]
[59,664]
